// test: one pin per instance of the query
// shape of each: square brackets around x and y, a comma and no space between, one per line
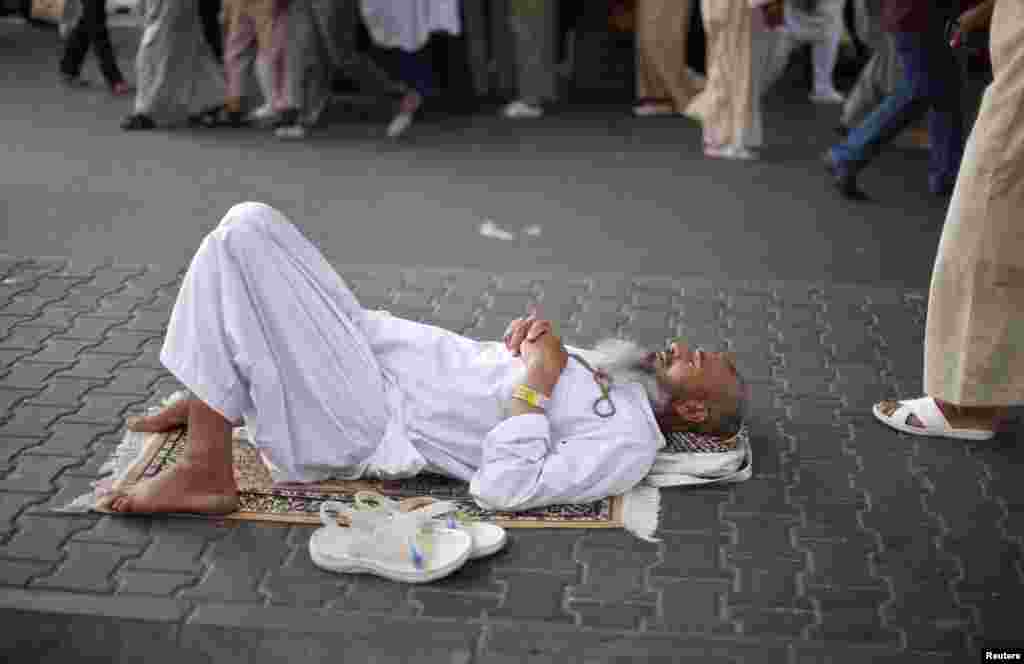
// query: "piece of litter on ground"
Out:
[491,229]
[532,231]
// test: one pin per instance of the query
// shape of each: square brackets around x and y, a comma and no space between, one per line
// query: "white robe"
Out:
[265,331]
[408,24]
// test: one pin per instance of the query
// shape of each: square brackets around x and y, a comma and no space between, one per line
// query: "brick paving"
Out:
[851,543]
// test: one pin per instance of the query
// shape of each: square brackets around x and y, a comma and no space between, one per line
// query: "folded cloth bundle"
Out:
[694,458]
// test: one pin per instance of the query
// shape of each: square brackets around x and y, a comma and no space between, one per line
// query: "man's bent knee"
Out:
[251,212]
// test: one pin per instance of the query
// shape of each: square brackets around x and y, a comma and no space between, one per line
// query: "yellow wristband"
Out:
[531,396]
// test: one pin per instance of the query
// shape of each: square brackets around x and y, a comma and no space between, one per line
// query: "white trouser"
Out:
[265,330]
[823,29]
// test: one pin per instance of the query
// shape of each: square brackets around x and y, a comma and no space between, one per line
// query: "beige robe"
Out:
[729,106]
[662,27]
[974,343]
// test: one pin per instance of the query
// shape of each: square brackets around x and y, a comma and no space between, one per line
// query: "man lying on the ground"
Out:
[266,332]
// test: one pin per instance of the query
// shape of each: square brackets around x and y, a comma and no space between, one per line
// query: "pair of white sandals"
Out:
[929,414]
[387,539]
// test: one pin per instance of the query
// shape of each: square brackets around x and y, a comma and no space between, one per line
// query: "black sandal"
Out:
[137,121]
[219,116]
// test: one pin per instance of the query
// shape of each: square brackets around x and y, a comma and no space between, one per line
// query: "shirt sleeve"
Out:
[523,468]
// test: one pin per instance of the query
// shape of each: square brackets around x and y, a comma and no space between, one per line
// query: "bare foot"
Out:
[180,488]
[170,418]
[987,418]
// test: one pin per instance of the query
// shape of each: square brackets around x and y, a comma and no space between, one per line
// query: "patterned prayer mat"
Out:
[263,501]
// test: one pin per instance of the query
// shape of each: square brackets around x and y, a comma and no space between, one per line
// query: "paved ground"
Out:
[850,544]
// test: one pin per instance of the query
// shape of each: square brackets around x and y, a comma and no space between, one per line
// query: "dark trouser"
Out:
[417,70]
[213,32]
[930,84]
[91,30]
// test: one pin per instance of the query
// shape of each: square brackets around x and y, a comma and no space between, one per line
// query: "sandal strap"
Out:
[926,410]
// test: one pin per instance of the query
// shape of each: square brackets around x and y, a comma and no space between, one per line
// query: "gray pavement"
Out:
[851,543]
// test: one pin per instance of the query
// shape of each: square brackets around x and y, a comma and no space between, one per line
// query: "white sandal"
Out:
[394,546]
[488,538]
[929,414]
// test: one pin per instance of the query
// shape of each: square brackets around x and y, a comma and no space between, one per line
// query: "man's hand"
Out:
[530,329]
[545,360]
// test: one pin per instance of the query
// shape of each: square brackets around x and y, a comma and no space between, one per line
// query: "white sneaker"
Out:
[832,96]
[520,110]
[262,113]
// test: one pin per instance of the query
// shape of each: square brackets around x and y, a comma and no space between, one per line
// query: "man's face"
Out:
[694,373]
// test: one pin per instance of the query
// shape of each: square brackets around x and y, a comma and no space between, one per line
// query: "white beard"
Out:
[626,362]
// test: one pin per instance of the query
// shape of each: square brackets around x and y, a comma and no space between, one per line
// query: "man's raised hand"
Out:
[545,358]
[526,329]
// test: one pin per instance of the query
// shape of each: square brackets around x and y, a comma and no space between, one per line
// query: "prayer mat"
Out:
[262,500]
[688,459]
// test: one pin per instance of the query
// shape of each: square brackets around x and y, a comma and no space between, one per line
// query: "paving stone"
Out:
[765,539]
[123,343]
[10,397]
[692,556]
[617,616]
[29,375]
[108,279]
[550,550]
[13,504]
[42,537]
[454,605]
[374,595]
[117,530]
[177,546]
[530,595]
[152,583]
[87,567]
[125,305]
[233,633]
[61,351]
[25,338]
[239,561]
[103,408]
[691,605]
[301,583]
[20,572]
[148,321]
[92,328]
[761,497]
[613,575]
[98,367]
[133,380]
[72,439]
[24,305]
[64,391]
[10,448]
[35,474]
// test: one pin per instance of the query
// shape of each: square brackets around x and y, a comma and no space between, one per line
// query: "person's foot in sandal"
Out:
[927,416]
[488,538]
[393,546]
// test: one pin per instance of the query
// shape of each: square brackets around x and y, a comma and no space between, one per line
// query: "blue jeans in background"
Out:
[931,83]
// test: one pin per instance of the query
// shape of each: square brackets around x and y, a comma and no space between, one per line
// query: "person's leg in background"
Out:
[908,102]
[240,30]
[534,26]
[91,30]
[825,52]
[213,31]
[945,119]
